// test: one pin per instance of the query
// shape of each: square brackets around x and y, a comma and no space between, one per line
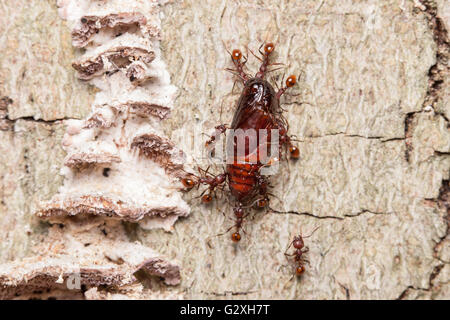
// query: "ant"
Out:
[239,219]
[300,249]
[213,181]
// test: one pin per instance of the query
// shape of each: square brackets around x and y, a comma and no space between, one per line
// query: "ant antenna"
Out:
[254,53]
[310,233]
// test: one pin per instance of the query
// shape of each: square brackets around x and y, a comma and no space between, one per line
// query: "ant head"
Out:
[268,48]
[291,81]
[295,153]
[236,54]
[188,183]
[298,243]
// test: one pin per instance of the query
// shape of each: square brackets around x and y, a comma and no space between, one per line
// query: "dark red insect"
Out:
[299,250]
[258,109]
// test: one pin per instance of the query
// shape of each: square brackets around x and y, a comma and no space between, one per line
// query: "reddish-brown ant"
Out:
[207,179]
[300,250]
[239,219]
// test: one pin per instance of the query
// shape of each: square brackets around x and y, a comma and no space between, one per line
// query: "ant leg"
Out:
[237,73]
[232,89]
[255,54]
[220,129]
[273,70]
[262,53]
[246,215]
[246,59]
[284,266]
[204,191]
[287,256]
[306,261]
[221,234]
[210,143]
[205,172]
[273,81]
[285,252]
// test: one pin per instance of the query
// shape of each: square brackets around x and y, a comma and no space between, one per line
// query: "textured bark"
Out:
[373,132]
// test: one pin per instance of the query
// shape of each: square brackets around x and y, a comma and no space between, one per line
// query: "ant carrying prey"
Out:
[258,110]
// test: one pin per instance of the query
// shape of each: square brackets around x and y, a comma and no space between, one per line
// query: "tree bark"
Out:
[371,120]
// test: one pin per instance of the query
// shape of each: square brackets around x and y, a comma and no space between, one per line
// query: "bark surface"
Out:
[372,120]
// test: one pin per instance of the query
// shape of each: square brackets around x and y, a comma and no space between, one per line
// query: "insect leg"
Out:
[287,249]
[210,144]
[255,54]
[221,234]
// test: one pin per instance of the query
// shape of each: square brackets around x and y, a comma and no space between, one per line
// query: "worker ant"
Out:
[300,249]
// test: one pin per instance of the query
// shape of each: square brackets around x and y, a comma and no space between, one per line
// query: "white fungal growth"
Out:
[119,165]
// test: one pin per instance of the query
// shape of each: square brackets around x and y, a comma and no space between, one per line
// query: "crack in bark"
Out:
[381,138]
[347,291]
[408,135]
[32,119]
[363,211]
[441,154]
[226,293]
[6,122]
